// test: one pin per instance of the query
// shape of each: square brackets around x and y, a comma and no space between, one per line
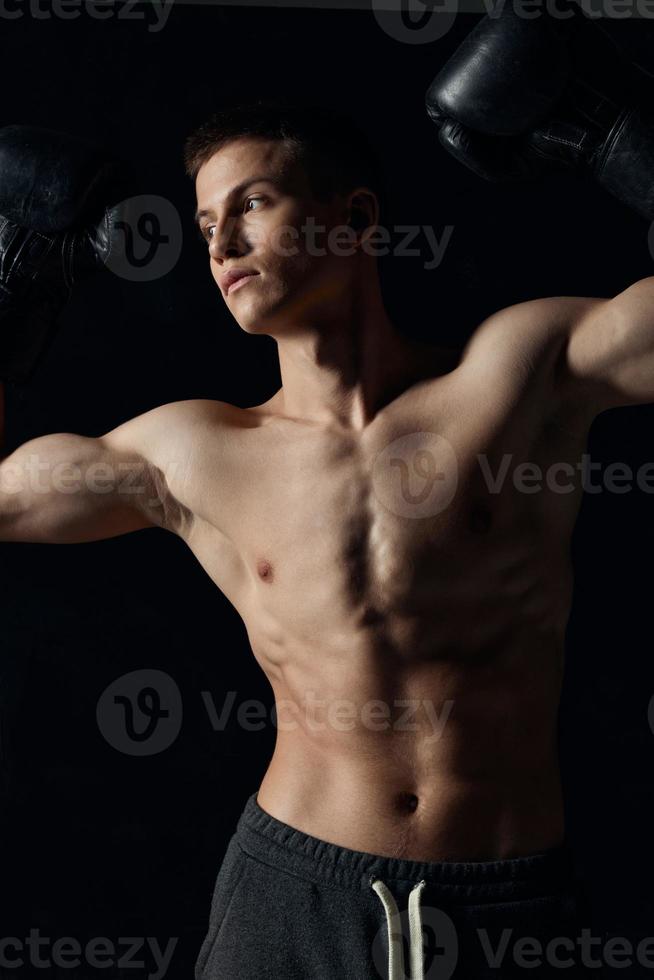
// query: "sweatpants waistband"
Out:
[279,845]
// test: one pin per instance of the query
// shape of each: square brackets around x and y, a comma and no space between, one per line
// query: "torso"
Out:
[425,611]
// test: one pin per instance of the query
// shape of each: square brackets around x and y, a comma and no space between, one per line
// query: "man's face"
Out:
[253,206]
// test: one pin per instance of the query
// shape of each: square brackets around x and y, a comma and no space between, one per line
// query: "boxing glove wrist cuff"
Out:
[60,202]
[625,165]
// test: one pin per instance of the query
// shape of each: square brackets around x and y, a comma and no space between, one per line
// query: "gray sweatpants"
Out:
[288,906]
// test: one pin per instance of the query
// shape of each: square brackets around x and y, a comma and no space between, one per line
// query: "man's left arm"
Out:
[610,348]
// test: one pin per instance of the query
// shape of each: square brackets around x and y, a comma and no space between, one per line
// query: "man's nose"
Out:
[227,240]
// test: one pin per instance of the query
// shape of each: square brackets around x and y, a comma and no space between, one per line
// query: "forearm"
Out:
[611,347]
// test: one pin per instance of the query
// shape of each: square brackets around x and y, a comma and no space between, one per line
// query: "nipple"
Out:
[264,570]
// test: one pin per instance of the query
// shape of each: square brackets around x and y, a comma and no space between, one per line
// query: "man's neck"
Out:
[343,379]
[343,373]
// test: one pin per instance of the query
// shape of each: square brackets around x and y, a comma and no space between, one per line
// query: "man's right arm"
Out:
[68,489]
[60,220]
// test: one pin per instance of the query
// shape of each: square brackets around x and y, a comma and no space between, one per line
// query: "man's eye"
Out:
[205,233]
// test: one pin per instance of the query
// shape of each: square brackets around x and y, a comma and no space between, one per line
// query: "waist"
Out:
[292,850]
[407,805]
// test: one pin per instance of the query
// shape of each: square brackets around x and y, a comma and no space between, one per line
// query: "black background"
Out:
[98,843]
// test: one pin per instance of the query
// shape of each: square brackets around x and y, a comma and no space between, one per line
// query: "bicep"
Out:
[610,350]
[68,489]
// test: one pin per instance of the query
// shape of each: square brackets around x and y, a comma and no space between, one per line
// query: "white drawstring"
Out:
[394,932]
[415,932]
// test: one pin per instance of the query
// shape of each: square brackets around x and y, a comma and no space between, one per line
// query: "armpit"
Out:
[152,496]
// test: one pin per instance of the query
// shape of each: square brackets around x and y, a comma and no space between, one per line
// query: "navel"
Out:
[265,570]
[408,802]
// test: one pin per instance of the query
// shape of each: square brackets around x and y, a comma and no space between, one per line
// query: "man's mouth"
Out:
[240,282]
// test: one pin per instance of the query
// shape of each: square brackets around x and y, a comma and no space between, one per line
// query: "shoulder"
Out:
[172,424]
[189,411]
[535,323]
[165,444]
[532,336]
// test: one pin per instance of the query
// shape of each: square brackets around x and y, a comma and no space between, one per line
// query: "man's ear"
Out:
[363,209]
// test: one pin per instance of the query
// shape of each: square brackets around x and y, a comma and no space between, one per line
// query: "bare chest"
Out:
[423,518]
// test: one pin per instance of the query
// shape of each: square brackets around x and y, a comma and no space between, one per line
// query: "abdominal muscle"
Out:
[439,760]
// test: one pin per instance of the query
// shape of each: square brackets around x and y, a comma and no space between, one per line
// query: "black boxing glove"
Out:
[60,202]
[524,96]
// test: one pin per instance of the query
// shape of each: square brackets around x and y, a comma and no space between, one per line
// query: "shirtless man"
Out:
[408,614]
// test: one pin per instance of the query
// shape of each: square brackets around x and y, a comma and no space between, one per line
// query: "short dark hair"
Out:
[333,150]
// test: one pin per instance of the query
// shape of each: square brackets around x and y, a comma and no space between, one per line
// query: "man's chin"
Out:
[254,325]
[268,321]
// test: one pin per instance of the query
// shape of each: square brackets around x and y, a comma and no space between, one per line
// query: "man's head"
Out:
[287,192]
